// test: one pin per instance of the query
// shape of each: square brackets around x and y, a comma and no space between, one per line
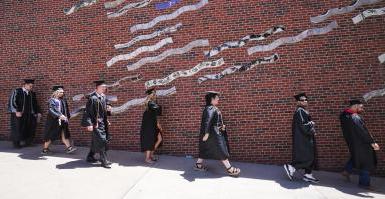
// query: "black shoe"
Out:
[310,178]
[17,145]
[91,159]
[108,162]
[106,165]
[46,152]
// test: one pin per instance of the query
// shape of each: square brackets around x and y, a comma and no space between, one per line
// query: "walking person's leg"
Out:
[46,147]
[232,171]
[157,144]
[348,169]
[67,143]
[103,159]
[364,179]
[199,165]
[290,170]
[148,157]
[308,176]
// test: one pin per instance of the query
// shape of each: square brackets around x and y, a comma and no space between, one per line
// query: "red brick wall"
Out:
[38,40]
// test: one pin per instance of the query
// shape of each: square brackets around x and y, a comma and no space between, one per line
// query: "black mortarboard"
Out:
[150,91]
[57,87]
[99,82]
[212,92]
[29,81]
[298,96]
[354,102]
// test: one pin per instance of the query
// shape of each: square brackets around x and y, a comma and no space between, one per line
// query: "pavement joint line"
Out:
[137,181]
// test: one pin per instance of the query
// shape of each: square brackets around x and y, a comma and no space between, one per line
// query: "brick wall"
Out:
[38,40]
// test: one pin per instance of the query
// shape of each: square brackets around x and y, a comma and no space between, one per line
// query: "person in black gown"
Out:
[57,121]
[361,144]
[304,145]
[150,131]
[25,113]
[213,142]
[95,119]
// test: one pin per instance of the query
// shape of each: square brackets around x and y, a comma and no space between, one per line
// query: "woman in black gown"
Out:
[57,121]
[212,139]
[150,132]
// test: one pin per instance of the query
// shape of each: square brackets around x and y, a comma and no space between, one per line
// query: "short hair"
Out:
[209,96]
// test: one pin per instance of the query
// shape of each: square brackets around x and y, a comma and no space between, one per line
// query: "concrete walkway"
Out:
[25,174]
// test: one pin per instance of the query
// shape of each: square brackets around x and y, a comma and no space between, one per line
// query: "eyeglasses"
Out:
[303,100]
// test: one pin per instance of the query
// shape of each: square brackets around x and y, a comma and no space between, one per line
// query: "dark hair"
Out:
[209,97]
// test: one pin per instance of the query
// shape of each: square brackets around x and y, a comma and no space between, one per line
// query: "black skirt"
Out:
[215,147]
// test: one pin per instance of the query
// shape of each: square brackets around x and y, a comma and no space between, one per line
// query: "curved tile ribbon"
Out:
[140,50]
[343,10]
[375,93]
[240,68]
[166,17]
[165,54]
[113,4]
[157,33]
[80,4]
[294,39]
[185,73]
[244,40]
[381,58]
[368,13]
[127,7]
[140,101]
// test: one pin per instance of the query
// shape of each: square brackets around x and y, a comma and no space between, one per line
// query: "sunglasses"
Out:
[303,100]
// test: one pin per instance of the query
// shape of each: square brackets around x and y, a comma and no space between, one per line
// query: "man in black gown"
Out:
[304,147]
[95,119]
[25,112]
[361,144]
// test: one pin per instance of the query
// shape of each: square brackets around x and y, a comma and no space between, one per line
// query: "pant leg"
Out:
[349,166]
[103,156]
[364,179]
[308,171]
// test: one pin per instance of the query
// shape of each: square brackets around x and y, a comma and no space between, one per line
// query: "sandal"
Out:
[200,167]
[233,171]
[70,149]
[155,158]
[149,161]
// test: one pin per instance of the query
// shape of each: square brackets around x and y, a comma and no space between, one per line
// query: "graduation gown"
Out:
[95,115]
[215,147]
[149,129]
[53,129]
[304,147]
[24,127]
[359,141]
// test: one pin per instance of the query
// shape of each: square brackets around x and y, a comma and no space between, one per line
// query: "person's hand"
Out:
[90,128]
[375,146]
[109,108]
[205,137]
[223,127]
[18,114]
[62,117]
[109,123]
[313,123]
[38,117]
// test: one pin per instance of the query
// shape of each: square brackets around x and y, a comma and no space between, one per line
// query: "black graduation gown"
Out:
[215,147]
[95,115]
[53,129]
[359,141]
[304,147]
[24,127]
[149,129]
